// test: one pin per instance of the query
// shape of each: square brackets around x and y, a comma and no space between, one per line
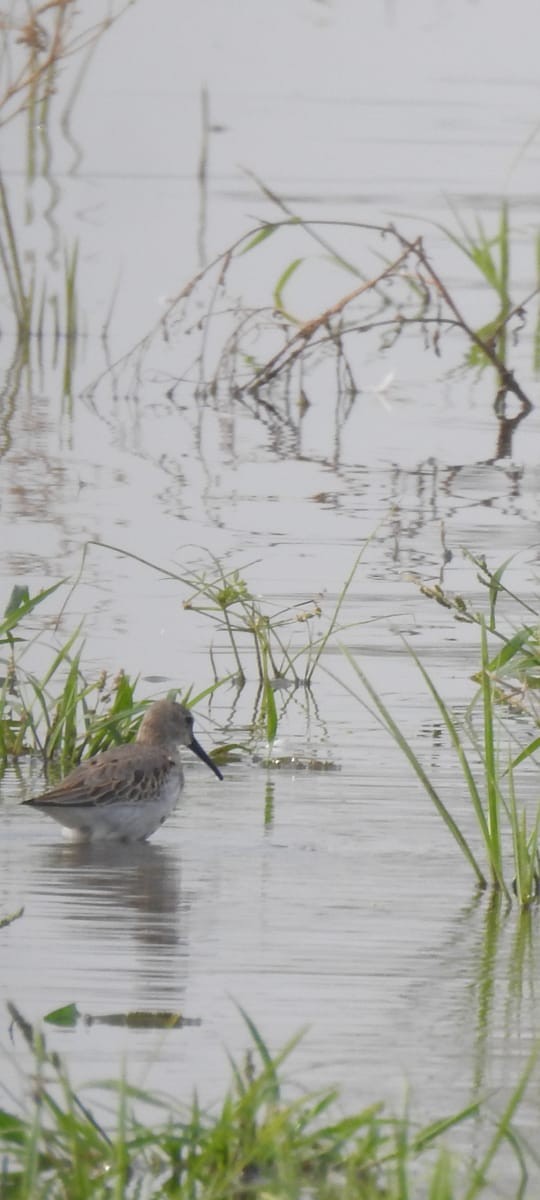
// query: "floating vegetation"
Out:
[297,762]
[4,921]
[70,1015]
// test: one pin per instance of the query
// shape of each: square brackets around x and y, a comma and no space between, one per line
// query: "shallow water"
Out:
[331,899]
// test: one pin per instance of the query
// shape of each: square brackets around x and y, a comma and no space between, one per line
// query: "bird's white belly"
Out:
[121,820]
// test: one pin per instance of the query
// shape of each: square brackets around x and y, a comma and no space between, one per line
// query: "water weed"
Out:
[490,254]
[258,1142]
[526,882]
[398,290]
[515,667]
[275,647]
[494,810]
[61,714]
[65,716]
[385,718]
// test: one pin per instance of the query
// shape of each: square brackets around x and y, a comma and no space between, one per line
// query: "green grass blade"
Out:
[513,646]
[417,767]
[281,284]
[61,657]
[526,752]
[340,601]
[456,742]
[491,773]
[503,1128]
[270,710]
[16,612]
[266,1057]
[260,236]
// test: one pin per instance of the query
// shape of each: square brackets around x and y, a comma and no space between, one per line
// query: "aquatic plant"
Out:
[515,667]
[259,1142]
[35,42]
[42,286]
[276,647]
[490,253]
[61,714]
[261,357]
[66,716]
[487,777]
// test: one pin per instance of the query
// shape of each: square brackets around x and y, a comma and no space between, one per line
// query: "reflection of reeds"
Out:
[21,298]
[38,310]
[33,47]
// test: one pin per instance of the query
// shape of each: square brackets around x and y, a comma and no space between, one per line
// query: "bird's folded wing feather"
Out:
[109,778]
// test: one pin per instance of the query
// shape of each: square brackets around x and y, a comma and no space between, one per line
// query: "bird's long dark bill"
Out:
[198,750]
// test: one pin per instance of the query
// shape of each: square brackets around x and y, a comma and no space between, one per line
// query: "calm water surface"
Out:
[329,899]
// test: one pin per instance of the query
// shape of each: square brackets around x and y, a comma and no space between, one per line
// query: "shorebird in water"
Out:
[126,793]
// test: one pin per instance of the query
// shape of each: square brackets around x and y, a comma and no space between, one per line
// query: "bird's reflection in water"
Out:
[126,902]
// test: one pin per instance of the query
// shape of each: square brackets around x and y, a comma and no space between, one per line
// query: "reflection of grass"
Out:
[38,310]
[258,1143]
[36,40]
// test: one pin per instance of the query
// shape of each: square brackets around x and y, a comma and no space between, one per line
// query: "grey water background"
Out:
[328,899]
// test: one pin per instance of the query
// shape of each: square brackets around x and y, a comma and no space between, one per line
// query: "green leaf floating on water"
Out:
[68,1016]
[12,917]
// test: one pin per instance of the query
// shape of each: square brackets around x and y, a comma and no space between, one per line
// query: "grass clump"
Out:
[515,668]
[66,717]
[276,648]
[61,714]
[259,1142]
[489,781]
[496,813]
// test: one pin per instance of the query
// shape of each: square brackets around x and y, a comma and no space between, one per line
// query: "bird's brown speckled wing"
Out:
[111,776]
